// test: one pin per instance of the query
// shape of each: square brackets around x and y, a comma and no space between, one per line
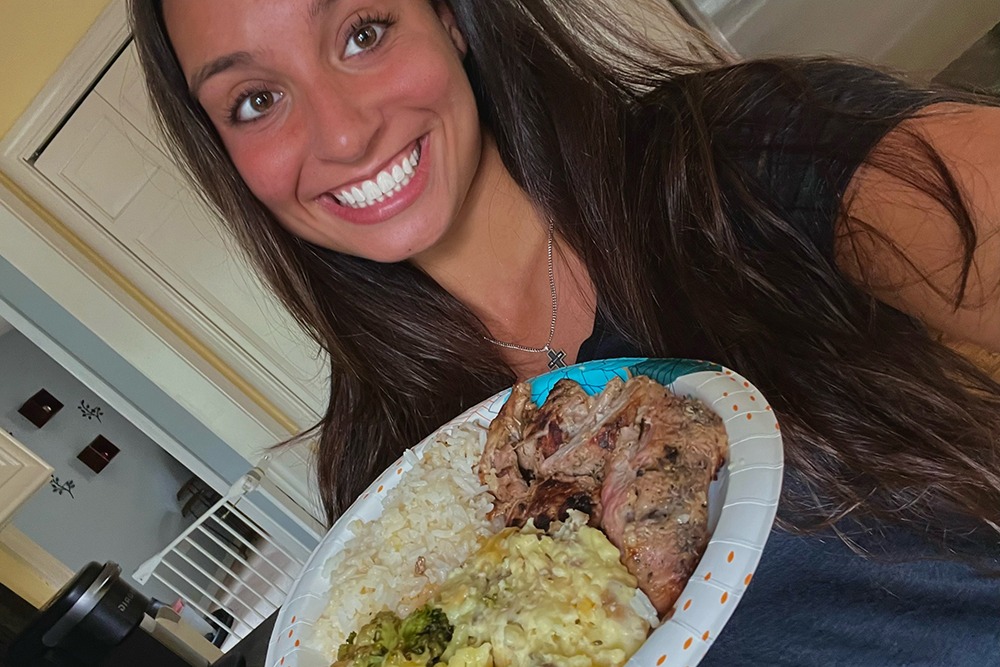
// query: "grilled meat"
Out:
[499,468]
[635,457]
[550,499]
[655,491]
[521,440]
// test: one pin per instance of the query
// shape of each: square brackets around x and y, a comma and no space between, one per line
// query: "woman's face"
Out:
[351,120]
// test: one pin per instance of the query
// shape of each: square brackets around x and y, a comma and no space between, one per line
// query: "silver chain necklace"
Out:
[556,357]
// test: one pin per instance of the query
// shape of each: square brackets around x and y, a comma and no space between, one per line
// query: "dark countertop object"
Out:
[251,651]
[15,612]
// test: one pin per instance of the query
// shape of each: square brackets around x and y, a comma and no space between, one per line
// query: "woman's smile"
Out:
[385,185]
[378,197]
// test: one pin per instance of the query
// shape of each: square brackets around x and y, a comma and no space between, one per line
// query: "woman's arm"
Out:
[905,247]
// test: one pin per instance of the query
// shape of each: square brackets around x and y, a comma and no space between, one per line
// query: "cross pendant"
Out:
[556,358]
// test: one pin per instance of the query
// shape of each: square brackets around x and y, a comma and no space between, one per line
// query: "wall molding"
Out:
[94,258]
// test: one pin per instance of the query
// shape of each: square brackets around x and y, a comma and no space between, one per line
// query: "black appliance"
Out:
[98,620]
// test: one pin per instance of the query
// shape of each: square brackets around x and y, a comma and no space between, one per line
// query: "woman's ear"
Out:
[447,17]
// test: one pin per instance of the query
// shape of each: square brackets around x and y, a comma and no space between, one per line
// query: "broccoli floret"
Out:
[425,633]
[423,636]
[369,646]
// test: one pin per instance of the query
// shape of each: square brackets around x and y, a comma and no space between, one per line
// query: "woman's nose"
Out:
[342,124]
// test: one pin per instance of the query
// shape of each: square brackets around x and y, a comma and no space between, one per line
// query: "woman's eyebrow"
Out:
[213,67]
[319,6]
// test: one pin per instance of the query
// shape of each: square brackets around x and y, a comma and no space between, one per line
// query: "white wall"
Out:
[126,513]
[917,36]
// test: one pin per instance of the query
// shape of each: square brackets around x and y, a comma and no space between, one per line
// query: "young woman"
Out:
[450,196]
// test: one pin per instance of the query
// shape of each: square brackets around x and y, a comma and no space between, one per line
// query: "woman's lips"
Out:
[392,190]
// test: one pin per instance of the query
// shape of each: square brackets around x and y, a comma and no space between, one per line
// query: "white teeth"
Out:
[386,184]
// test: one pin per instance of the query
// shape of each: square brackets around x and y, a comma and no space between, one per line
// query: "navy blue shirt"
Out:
[813,600]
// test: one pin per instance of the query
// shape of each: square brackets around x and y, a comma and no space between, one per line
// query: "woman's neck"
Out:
[493,256]
[494,260]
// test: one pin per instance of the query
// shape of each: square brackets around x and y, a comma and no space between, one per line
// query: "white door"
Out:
[21,474]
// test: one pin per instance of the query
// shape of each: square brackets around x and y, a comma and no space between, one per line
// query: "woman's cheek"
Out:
[269,170]
[427,82]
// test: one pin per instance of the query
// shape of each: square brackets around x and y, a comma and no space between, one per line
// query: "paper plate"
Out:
[742,505]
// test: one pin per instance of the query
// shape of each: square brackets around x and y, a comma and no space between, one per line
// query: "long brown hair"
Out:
[613,138]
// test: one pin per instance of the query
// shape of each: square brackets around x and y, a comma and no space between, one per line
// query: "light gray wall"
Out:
[126,513]
[917,36]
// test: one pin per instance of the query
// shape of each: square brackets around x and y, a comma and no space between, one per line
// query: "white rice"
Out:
[437,512]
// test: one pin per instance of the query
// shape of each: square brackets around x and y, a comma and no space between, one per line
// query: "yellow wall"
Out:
[35,37]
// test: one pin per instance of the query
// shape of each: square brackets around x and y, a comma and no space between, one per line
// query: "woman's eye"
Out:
[364,38]
[254,105]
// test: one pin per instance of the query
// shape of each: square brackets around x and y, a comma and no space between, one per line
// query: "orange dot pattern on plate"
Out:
[297,642]
[663,659]
[725,596]
[736,408]
[708,576]
[399,471]
[749,416]
[731,556]
[291,632]
[380,487]
[687,644]
[687,605]
[746,581]
[705,636]
[281,662]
